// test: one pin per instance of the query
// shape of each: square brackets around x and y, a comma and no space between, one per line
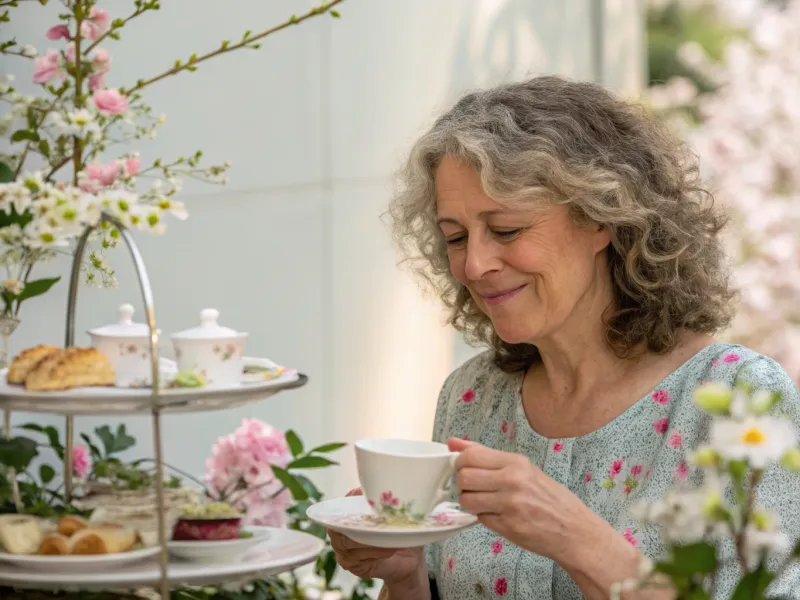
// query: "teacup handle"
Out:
[445,488]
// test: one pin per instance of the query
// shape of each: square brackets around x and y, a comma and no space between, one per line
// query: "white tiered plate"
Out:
[219,550]
[284,550]
[76,564]
[114,401]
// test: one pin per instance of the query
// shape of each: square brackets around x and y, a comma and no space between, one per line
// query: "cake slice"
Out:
[26,360]
[70,368]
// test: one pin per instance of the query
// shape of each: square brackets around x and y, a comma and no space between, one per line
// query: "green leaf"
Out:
[309,486]
[37,288]
[695,558]
[6,174]
[105,435]
[311,462]
[51,433]
[328,448]
[294,486]
[752,585]
[317,531]
[335,14]
[123,440]
[96,455]
[44,147]
[295,444]
[25,134]
[329,567]
[17,452]
[13,217]
[46,473]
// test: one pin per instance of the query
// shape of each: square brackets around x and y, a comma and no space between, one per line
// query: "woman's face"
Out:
[530,270]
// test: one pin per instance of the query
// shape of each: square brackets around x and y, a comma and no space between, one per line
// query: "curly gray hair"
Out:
[612,164]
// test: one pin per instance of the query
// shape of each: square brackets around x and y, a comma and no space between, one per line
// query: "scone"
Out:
[19,534]
[26,360]
[70,524]
[54,544]
[70,368]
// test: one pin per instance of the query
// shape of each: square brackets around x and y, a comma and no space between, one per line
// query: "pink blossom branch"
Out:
[142,7]
[194,60]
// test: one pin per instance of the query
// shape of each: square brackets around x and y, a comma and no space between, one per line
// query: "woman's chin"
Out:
[511,334]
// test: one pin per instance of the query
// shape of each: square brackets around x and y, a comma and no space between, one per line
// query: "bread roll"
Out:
[23,362]
[103,539]
[54,544]
[68,525]
[71,368]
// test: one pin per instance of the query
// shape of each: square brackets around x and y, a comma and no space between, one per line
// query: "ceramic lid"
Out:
[208,329]
[125,327]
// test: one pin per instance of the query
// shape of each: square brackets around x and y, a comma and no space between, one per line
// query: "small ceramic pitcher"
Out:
[215,351]
[127,345]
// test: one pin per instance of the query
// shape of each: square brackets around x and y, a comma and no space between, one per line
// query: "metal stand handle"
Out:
[147,296]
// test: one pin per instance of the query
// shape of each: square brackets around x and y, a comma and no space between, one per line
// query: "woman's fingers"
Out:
[470,479]
[344,546]
[480,503]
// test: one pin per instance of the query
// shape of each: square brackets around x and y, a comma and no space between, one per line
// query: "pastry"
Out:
[19,534]
[214,521]
[104,538]
[70,524]
[54,544]
[71,368]
[23,362]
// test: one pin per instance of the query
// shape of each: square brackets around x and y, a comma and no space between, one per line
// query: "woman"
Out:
[569,232]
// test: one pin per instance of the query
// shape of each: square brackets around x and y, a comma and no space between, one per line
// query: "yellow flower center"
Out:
[754,437]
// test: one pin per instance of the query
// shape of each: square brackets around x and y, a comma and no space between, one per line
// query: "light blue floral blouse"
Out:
[635,457]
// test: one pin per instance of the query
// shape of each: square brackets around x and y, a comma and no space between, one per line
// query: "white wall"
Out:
[292,250]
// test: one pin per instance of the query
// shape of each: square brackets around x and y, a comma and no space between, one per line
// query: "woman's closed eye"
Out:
[501,234]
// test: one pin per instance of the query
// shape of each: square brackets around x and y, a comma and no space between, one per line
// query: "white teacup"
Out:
[404,480]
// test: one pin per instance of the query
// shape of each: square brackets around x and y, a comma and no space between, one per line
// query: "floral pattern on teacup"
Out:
[228,351]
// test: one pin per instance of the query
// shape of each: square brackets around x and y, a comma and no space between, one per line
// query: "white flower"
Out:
[28,51]
[758,440]
[16,195]
[39,234]
[332,595]
[762,536]
[14,286]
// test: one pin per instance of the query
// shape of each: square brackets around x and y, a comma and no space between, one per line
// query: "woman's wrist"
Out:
[415,587]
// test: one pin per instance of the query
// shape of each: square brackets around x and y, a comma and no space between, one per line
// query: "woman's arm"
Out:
[598,557]
[419,587]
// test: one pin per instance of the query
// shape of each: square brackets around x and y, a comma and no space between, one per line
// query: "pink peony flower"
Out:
[97,81]
[497,547]
[69,53]
[628,535]
[661,426]
[81,461]
[132,166]
[636,470]
[56,32]
[110,101]
[96,25]
[94,176]
[661,397]
[468,396]
[675,440]
[245,458]
[48,67]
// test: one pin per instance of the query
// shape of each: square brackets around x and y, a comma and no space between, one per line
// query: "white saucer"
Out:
[353,517]
[219,551]
[85,563]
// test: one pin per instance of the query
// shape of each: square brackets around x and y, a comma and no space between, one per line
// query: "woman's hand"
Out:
[518,501]
[403,568]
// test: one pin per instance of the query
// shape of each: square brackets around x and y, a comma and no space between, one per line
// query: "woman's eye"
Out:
[455,241]
[508,234]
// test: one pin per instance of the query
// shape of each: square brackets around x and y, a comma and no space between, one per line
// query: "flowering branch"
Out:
[248,41]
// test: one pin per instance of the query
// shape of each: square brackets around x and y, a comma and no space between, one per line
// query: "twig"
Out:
[76,151]
[223,49]
[130,17]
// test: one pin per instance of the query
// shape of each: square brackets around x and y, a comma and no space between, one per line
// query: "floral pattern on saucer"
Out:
[373,521]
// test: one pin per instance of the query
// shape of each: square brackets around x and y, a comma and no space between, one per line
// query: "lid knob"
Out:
[126,314]
[208,317]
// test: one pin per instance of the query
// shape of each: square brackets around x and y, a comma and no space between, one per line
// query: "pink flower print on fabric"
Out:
[497,547]
[588,477]
[451,564]
[636,470]
[614,470]
[468,396]
[507,427]
[661,397]
[465,437]
[675,440]
[558,446]
[388,499]
[682,471]
[661,426]
[649,471]
[501,586]
[628,535]
[731,358]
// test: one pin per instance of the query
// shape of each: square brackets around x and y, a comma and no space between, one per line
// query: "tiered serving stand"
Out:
[284,550]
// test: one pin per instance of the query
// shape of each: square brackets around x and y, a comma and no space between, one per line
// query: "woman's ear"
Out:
[602,237]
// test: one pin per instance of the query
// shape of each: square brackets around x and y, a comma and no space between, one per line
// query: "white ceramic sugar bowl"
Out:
[127,345]
[213,350]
